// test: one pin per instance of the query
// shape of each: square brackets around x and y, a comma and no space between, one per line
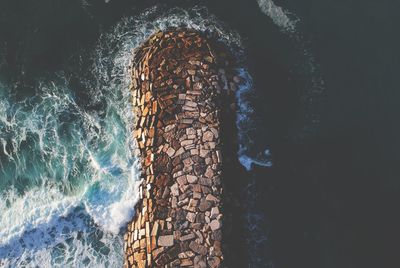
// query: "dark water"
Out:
[331,198]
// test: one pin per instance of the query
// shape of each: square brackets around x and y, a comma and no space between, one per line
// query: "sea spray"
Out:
[69,166]
[281,17]
[68,175]
[116,51]
[248,153]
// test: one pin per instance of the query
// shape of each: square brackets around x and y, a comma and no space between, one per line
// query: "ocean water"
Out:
[69,177]
[68,180]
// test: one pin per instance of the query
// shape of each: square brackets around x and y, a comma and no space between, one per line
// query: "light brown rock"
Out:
[215,225]
[166,240]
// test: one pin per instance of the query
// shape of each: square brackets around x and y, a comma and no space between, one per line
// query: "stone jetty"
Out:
[178,81]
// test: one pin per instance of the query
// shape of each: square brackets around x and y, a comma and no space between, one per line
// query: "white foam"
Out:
[83,161]
[249,154]
[94,149]
[111,205]
[37,206]
[116,51]
[248,162]
[279,16]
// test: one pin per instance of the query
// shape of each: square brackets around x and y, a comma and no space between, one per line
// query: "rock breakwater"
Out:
[178,80]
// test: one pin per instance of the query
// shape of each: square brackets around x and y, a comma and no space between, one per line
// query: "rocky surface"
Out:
[178,79]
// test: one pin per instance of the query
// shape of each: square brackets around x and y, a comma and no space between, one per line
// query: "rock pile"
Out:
[177,83]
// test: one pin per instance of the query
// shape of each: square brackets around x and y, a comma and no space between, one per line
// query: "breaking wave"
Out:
[69,178]
[58,159]
[133,31]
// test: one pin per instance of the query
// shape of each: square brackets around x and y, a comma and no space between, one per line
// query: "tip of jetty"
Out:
[178,80]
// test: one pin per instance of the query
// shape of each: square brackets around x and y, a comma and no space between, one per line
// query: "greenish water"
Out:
[317,127]
[69,178]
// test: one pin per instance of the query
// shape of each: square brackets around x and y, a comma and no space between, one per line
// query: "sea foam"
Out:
[281,17]
[72,166]
[60,166]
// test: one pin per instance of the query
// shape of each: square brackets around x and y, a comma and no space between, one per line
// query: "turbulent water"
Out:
[68,175]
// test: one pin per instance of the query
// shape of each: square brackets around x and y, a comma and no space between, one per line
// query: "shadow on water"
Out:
[234,183]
